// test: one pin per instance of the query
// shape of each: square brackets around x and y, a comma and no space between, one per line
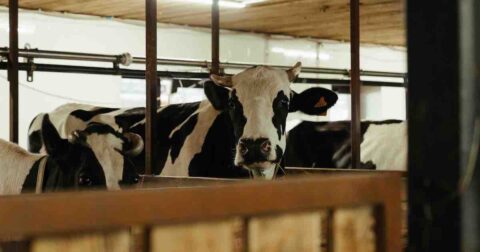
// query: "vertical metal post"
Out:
[152,85]
[215,38]
[13,69]
[355,80]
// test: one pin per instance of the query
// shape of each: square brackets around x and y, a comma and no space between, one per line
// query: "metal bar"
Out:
[13,69]
[215,38]
[152,83]
[355,80]
[57,55]
[140,74]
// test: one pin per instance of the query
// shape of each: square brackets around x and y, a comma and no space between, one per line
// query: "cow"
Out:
[237,131]
[328,145]
[112,148]
[69,164]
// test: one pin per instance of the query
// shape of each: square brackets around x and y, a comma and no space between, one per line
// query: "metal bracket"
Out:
[208,66]
[30,70]
[116,67]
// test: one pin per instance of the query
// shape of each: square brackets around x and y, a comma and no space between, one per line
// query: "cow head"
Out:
[71,162]
[114,151]
[258,101]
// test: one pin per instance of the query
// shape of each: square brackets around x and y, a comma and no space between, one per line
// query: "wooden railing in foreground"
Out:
[285,215]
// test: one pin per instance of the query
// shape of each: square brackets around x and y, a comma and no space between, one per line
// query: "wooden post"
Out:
[355,80]
[152,85]
[433,126]
[13,69]
[470,104]
[215,38]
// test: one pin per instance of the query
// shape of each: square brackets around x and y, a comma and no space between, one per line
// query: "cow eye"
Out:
[284,103]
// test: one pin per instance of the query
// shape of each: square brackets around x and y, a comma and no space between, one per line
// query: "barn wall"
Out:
[100,35]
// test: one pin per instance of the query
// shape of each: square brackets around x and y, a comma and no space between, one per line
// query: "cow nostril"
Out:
[266,146]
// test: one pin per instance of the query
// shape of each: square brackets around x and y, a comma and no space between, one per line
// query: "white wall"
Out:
[49,31]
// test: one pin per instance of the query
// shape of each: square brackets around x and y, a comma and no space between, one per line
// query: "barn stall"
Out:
[373,215]
[247,216]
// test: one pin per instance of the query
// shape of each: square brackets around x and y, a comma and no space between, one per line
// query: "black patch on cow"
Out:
[218,151]
[87,115]
[167,120]
[308,101]
[216,95]
[237,116]
[35,141]
[130,117]
[31,179]
[279,152]
[324,144]
[280,112]
[178,138]
[103,129]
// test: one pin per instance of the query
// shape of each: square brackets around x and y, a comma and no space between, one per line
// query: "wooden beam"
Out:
[470,112]
[32,215]
[433,126]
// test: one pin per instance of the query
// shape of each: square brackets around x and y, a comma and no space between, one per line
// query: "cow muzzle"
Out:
[257,156]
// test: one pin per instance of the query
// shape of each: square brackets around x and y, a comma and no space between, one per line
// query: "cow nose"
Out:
[266,146]
[254,148]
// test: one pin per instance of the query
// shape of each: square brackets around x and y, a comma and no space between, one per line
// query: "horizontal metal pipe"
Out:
[140,74]
[58,55]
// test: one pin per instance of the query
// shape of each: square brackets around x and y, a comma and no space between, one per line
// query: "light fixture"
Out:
[323,56]
[22,28]
[227,3]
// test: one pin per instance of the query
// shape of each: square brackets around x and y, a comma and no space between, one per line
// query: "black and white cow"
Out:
[328,145]
[112,149]
[69,164]
[239,129]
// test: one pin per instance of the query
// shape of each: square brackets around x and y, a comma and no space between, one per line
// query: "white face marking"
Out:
[105,147]
[256,89]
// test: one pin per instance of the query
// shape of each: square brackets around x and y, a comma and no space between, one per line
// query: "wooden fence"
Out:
[347,212]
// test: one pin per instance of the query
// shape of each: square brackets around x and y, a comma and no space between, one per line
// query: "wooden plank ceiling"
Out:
[382,21]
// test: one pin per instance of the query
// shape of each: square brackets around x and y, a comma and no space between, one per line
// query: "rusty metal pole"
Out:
[152,82]
[215,38]
[355,80]
[13,69]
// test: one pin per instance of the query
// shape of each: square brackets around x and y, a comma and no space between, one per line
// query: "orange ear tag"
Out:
[321,103]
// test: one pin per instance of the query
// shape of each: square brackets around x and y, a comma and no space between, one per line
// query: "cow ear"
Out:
[313,101]
[294,71]
[217,95]
[54,144]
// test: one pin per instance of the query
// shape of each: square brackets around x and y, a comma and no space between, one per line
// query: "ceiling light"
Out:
[227,3]
[323,56]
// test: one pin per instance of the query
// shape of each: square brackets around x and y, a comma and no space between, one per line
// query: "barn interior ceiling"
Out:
[382,21]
